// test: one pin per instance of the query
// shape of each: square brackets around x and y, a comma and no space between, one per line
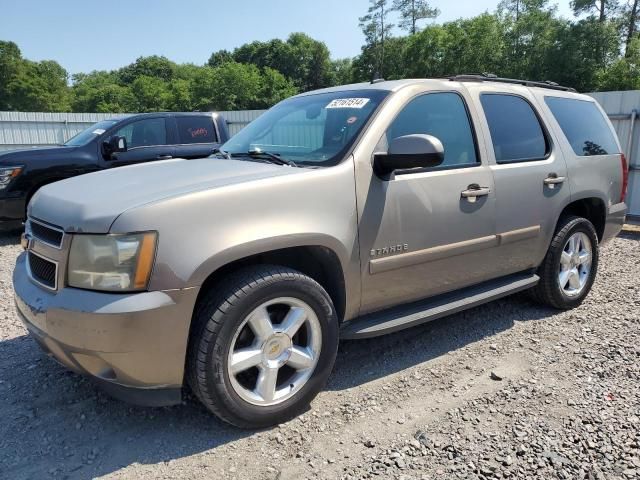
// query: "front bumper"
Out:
[11,212]
[133,345]
[614,221]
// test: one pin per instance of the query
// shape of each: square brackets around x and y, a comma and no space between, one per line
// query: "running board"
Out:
[409,315]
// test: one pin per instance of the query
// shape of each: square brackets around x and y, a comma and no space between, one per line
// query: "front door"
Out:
[147,140]
[426,232]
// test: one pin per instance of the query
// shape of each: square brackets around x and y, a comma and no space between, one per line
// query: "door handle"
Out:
[163,157]
[474,191]
[553,179]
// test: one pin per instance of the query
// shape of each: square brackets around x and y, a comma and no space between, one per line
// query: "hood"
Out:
[27,154]
[91,203]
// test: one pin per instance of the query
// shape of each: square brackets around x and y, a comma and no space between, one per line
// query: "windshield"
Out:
[313,129]
[90,133]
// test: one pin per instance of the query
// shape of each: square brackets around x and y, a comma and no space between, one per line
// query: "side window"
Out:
[584,126]
[144,133]
[444,116]
[196,129]
[516,132]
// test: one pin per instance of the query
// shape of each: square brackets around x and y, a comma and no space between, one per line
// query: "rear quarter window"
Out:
[197,129]
[584,125]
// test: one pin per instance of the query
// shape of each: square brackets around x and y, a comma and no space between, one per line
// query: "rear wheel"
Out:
[570,265]
[262,348]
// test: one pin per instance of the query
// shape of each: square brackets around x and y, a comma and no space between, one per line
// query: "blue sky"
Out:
[85,35]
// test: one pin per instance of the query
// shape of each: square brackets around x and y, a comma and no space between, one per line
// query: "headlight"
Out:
[7,174]
[113,263]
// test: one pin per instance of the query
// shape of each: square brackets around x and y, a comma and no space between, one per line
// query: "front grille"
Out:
[47,234]
[42,270]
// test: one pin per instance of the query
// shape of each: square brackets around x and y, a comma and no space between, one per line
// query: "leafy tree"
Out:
[601,7]
[342,71]
[220,57]
[624,73]
[376,29]
[153,66]
[631,13]
[10,59]
[583,50]
[411,11]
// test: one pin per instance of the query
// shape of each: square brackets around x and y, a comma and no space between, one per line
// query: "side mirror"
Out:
[409,151]
[115,145]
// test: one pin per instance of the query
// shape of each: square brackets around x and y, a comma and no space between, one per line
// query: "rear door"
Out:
[197,136]
[148,139]
[529,172]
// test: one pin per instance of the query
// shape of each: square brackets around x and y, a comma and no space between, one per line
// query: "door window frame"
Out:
[215,130]
[168,143]
[545,131]
[472,126]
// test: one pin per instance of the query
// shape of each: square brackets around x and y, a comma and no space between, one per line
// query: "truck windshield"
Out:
[90,133]
[312,130]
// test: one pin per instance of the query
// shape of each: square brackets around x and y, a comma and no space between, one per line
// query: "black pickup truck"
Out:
[109,143]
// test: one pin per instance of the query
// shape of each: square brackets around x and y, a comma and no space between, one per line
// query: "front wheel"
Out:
[570,265]
[263,347]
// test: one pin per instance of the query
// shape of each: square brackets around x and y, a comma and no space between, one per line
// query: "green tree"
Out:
[99,91]
[376,29]
[412,11]
[10,61]
[624,73]
[153,66]
[602,7]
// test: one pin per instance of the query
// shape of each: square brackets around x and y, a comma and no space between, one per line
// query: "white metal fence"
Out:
[24,130]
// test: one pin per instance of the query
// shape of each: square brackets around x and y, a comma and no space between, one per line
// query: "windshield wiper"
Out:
[271,157]
[218,151]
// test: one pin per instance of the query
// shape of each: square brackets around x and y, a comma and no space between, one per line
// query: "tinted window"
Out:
[584,126]
[144,133]
[195,130]
[516,132]
[444,116]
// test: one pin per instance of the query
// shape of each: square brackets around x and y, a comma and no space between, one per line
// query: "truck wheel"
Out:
[262,346]
[569,268]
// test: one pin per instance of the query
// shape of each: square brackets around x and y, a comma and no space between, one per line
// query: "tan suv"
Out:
[348,212]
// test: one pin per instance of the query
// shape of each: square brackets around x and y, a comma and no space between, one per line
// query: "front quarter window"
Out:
[314,129]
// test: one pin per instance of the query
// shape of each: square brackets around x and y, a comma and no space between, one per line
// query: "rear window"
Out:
[584,126]
[516,133]
[195,130]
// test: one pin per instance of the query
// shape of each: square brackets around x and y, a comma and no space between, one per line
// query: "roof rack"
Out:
[490,77]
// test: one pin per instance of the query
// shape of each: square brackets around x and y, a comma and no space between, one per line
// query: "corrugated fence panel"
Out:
[620,106]
[237,120]
[32,129]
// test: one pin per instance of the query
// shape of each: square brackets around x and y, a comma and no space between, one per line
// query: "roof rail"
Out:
[490,77]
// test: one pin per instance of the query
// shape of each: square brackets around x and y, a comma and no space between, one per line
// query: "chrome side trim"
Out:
[379,265]
[35,280]
[520,234]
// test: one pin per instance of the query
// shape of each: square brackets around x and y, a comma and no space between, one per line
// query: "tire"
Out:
[225,322]
[549,290]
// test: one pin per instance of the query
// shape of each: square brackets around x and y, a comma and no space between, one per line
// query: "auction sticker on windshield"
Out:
[348,103]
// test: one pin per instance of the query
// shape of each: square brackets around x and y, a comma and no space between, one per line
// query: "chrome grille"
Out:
[46,233]
[43,271]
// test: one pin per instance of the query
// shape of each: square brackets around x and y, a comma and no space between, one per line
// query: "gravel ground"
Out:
[506,390]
